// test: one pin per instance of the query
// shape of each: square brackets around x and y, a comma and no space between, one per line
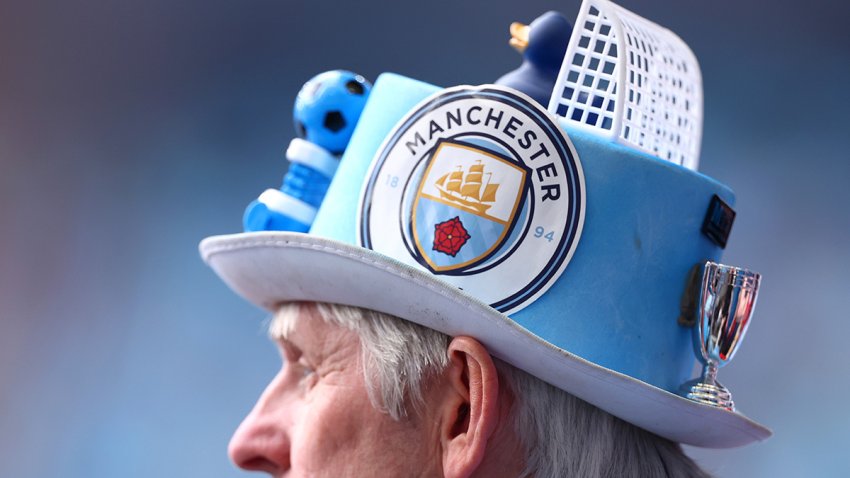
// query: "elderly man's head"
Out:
[366,394]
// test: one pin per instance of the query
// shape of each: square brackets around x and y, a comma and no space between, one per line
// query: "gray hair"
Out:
[561,434]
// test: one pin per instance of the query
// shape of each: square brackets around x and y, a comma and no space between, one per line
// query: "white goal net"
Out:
[629,79]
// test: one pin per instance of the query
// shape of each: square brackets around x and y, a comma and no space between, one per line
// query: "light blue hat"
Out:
[474,212]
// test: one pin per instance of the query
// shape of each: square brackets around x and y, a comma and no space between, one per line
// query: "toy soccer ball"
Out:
[328,106]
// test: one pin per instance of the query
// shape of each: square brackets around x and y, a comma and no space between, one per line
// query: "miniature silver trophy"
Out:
[727,299]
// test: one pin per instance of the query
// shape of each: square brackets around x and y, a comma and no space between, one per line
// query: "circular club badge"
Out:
[479,186]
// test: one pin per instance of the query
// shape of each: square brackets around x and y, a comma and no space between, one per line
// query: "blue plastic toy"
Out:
[543,45]
[326,111]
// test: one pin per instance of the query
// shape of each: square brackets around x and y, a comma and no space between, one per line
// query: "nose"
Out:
[262,442]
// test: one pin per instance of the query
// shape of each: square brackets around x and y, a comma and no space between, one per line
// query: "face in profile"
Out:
[315,417]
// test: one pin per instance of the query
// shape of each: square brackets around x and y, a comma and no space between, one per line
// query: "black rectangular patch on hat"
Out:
[718,221]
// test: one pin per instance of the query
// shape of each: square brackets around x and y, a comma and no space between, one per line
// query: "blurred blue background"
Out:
[130,130]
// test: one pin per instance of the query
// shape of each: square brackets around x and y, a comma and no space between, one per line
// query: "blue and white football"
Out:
[328,106]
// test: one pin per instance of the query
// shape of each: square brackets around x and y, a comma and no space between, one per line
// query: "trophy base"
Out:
[715,394]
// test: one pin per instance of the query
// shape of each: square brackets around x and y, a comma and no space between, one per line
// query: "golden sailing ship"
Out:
[466,189]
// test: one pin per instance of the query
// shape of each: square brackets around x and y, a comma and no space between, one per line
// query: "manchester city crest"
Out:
[481,186]
[465,205]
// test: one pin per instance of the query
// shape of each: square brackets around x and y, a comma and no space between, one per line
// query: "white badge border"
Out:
[521,298]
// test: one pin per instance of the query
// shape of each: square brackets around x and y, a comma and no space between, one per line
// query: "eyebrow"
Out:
[283,322]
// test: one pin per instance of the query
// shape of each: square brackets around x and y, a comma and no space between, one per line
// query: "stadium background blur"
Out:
[130,130]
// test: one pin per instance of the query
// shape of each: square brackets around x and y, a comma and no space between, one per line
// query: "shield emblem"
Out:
[465,207]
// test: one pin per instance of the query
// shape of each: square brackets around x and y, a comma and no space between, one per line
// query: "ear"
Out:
[469,410]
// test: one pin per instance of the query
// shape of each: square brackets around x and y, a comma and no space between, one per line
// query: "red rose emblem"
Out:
[450,236]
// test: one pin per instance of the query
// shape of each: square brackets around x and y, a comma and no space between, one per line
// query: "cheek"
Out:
[341,434]
[331,430]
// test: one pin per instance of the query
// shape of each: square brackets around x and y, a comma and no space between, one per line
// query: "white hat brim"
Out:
[271,268]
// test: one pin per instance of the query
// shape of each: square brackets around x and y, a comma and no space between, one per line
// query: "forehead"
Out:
[302,326]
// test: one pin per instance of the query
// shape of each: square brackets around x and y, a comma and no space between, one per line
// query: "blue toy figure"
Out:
[543,45]
[326,111]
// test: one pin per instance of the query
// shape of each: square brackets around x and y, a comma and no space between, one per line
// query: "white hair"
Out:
[561,434]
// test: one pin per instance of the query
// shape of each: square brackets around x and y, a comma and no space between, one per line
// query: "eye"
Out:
[298,368]
[306,373]
[304,368]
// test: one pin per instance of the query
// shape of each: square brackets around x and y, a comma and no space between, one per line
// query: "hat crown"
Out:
[618,300]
